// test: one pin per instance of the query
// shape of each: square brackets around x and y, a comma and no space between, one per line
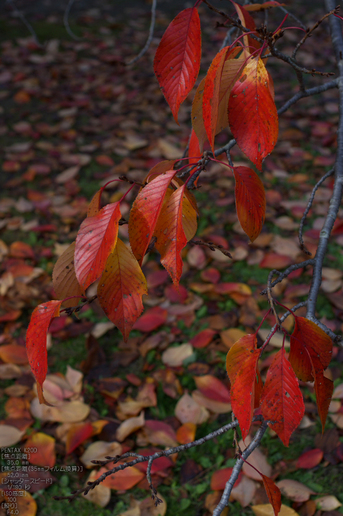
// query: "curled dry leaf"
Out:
[267,510]
[98,451]
[295,490]
[244,491]
[129,426]
[67,412]
[9,435]
[256,459]
[218,407]
[174,357]
[100,495]
[187,410]
[327,503]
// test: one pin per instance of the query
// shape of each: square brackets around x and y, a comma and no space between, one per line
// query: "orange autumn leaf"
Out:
[145,212]
[64,278]
[273,493]
[241,364]
[186,433]
[121,288]
[45,455]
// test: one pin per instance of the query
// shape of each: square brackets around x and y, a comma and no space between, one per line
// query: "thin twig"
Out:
[287,272]
[66,21]
[143,458]
[27,24]
[270,297]
[237,468]
[284,317]
[151,34]
[312,29]
[291,15]
[308,207]
[307,93]
[212,246]
[337,41]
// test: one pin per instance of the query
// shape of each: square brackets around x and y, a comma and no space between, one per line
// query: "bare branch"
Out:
[212,246]
[291,15]
[337,41]
[308,207]
[312,29]
[237,468]
[285,273]
[149,458]
[66,21]
[151,34]
[308,93]
[27,24]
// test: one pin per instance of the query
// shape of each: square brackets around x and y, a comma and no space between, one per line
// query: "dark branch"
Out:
[151,34]
[308,207]
[287,272]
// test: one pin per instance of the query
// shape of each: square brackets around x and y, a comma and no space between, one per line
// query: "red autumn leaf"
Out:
[177,59]
[252,112]
[219,81]
[176,225]
[77,434]
[248,22]
[258,388]
[220,477]
[13,315]
[151,320]
[281,400]
[275,261]
[194,152]
[36,341]
[145,212]
[160,464]
[202,339]
[212,388]
[95,241]
[250,201]
[307,336]
[160,433]
[310,459]
[176,295]
[21,250]
[241,363]
[64,278]
[45,455]
[273,493]
[121,288]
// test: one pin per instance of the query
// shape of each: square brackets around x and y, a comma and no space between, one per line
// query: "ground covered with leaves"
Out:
[73,117]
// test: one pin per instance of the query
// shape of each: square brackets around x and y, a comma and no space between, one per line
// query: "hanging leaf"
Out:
[215,89]
[194,152]
[241,363]
[36,341]
[217,108]
[145,212]
[64,278]
[281,400]
[323,388]
[176,225]
[248,22]
[308,340]
[161,168]
[177,59]
[95,240]
[262,7]
[273,493]
[121,288]
[252,112]
[250,201]
[94,205]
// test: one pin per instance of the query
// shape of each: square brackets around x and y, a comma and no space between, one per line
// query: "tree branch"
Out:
[66,21]
[237,468]
[27,24]
[151,34]
[337,41]
[308,207]
[285,273]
